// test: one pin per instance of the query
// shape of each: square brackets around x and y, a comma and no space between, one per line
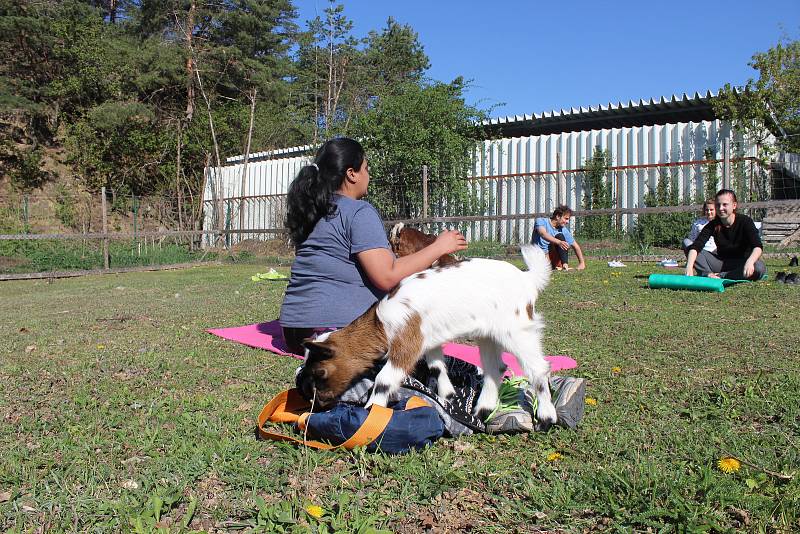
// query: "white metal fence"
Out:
[523,175]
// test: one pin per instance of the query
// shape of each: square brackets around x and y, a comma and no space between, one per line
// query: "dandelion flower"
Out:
[554,456]
[101,346]
[315,511]
[605,281]
[729,464]
[616,369]
[591,402]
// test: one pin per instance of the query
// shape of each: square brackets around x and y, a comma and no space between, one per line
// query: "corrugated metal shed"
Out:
[516,174]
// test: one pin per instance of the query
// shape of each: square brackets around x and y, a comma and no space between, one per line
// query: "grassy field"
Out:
[119,413]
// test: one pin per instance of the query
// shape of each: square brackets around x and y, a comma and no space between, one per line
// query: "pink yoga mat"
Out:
[268,336]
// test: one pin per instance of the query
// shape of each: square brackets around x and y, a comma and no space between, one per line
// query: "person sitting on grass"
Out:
[343,262]
[739,248]
[709,212]
[554,238]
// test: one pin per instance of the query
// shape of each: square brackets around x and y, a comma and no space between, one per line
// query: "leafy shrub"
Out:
[66,206]
[597,194]
[662,229]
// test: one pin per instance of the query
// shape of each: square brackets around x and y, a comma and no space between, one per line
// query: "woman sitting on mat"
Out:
[343,262]
[738,254]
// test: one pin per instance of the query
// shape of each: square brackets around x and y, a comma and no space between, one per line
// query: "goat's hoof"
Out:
[483,414]
[544,426]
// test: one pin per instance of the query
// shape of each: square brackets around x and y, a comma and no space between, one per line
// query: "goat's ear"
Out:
[320,350]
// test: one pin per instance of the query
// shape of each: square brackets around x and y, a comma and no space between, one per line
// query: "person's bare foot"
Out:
[713,275]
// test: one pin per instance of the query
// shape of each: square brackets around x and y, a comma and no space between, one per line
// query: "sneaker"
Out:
[668,263]
[569,399]
[616,263]
[511,415]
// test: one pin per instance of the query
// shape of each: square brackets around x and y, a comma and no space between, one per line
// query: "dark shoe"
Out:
[780,277]
[791,278]
[793,262]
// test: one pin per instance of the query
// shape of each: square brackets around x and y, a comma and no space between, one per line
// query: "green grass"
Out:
[67,255]
[119,413]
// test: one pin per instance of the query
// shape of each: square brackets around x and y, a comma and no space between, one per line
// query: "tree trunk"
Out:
[178,188]
[252,97]
[112,11]
[190,63]
[328,106]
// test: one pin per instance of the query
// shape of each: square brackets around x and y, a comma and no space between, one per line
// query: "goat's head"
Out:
[406,240]
[335,360]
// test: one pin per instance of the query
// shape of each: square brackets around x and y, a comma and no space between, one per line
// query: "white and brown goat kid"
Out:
[487,300]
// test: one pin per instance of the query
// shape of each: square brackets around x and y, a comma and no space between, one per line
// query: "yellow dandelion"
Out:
[315,511]
[605,281]
[554,456]
[616,369]
[591,402]
[729,464]
[101,347]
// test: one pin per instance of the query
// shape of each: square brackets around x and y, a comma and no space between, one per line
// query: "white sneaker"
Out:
[616,263]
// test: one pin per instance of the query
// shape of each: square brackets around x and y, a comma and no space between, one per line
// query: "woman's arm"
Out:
[385,270]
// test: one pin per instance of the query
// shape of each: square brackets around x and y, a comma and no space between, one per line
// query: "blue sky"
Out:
[529,57]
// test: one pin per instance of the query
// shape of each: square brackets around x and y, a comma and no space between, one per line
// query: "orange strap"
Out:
[285,406]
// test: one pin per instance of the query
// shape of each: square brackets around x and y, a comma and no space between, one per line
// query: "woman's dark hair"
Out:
[726,192]
[309,197]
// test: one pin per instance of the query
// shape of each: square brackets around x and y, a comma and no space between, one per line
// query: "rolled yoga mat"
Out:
[695,283]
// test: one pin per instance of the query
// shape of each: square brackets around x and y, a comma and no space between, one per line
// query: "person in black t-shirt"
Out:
[738,254]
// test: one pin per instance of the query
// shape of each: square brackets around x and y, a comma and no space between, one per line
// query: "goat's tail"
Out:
[394,234]
[538,265]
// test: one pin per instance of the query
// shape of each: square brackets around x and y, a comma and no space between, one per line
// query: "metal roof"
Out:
[268,154]
[664,110]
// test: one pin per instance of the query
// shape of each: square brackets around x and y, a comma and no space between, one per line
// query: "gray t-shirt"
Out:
[327,287]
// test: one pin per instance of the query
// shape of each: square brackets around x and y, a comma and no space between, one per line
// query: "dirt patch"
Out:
[272,247]
[605,244]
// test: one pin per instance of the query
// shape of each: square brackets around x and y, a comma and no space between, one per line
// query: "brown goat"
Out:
[406,240]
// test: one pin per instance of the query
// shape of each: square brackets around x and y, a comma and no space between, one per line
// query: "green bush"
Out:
[65,206]
[58,255]
[662,229]
[597,194]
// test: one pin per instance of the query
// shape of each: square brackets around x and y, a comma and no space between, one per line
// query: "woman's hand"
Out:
[450,241]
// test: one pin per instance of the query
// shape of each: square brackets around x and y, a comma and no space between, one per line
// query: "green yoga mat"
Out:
[695,283]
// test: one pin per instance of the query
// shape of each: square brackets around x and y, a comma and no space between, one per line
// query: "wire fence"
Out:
[644,206]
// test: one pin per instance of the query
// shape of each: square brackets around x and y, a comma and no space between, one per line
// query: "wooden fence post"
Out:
[559,178]
[726,163]
[618,201]
[105,228]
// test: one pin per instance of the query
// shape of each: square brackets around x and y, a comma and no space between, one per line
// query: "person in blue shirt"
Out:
[554,238]
[343,262]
